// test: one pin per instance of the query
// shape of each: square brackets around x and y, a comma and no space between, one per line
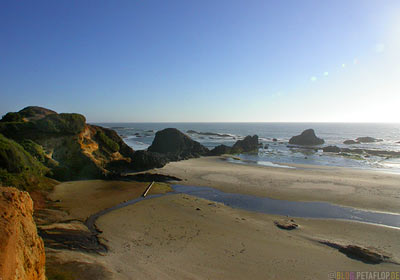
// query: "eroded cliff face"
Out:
[22,254]
[66,145]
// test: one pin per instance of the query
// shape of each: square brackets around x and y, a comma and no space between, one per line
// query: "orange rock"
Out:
[22,253]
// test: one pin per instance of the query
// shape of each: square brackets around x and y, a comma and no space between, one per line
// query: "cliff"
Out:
[22,253]
[64,144]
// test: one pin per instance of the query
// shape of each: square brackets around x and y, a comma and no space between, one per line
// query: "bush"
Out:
[62,123]
[34,149]
[12,117]
[110,144]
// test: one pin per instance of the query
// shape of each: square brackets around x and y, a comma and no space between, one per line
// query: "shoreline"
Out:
[186,237]
[361,189]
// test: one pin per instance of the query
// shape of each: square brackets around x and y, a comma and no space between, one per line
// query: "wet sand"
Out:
[183,237]
[349,187]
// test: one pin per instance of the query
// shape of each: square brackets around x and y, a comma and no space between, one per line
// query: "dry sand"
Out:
[168,238]
[182,237]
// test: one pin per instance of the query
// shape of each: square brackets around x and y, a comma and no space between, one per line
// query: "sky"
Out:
[203,61]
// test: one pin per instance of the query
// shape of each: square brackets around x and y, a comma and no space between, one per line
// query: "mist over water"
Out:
[140,136]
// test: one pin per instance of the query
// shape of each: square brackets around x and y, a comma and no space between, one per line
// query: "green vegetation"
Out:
[20,169]
[34,149]
[12,117]
[61,123]
[110,144]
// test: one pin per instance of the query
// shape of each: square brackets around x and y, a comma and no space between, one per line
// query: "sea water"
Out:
[139,136]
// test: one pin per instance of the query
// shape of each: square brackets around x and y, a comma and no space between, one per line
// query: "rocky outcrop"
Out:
[22,253]
[360,140]
[366,152]
[247,145]
[143,160]
[176,145]
[220,150]
[351,142]
[331,149]
[66,145]
[368,140]
[208,133]
[306,138]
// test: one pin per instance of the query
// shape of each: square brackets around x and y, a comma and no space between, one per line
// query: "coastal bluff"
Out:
[22,254]
[63,146]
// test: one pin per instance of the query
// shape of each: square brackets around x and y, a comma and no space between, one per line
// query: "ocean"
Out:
[139,136]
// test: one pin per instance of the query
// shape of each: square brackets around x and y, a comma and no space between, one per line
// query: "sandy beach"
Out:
[183,237]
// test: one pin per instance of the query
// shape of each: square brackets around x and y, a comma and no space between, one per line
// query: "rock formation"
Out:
[306,138]
[331,149]
[22,253]
[143,160]
[368,140]
[65,144]
[247,145]
[176,145]
[351,142]
[220,150]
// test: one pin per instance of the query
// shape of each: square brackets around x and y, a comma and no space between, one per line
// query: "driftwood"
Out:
[147,189]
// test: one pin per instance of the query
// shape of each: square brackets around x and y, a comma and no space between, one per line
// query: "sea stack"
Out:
[176,145]
[306,138]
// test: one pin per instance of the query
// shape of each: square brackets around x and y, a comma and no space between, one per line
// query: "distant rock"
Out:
[274,140]
[220,150]
[247,145]
[368,140]
[351,142]
[208,133]
[176,145]
[306,138]
[331,149]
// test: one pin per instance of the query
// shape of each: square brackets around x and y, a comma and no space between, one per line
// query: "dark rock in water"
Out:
[351,142]
[220,150]
[176,145]
[247,145]
[307,137]
[358,253]
[274,140]
[208,133]
[143,160]
[368,140]
[331,149]
[266,146]
[286,224]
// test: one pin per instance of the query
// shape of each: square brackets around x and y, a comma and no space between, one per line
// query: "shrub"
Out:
[110,144]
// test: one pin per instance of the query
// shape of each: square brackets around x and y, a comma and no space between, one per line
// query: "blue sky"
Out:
[203,61]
